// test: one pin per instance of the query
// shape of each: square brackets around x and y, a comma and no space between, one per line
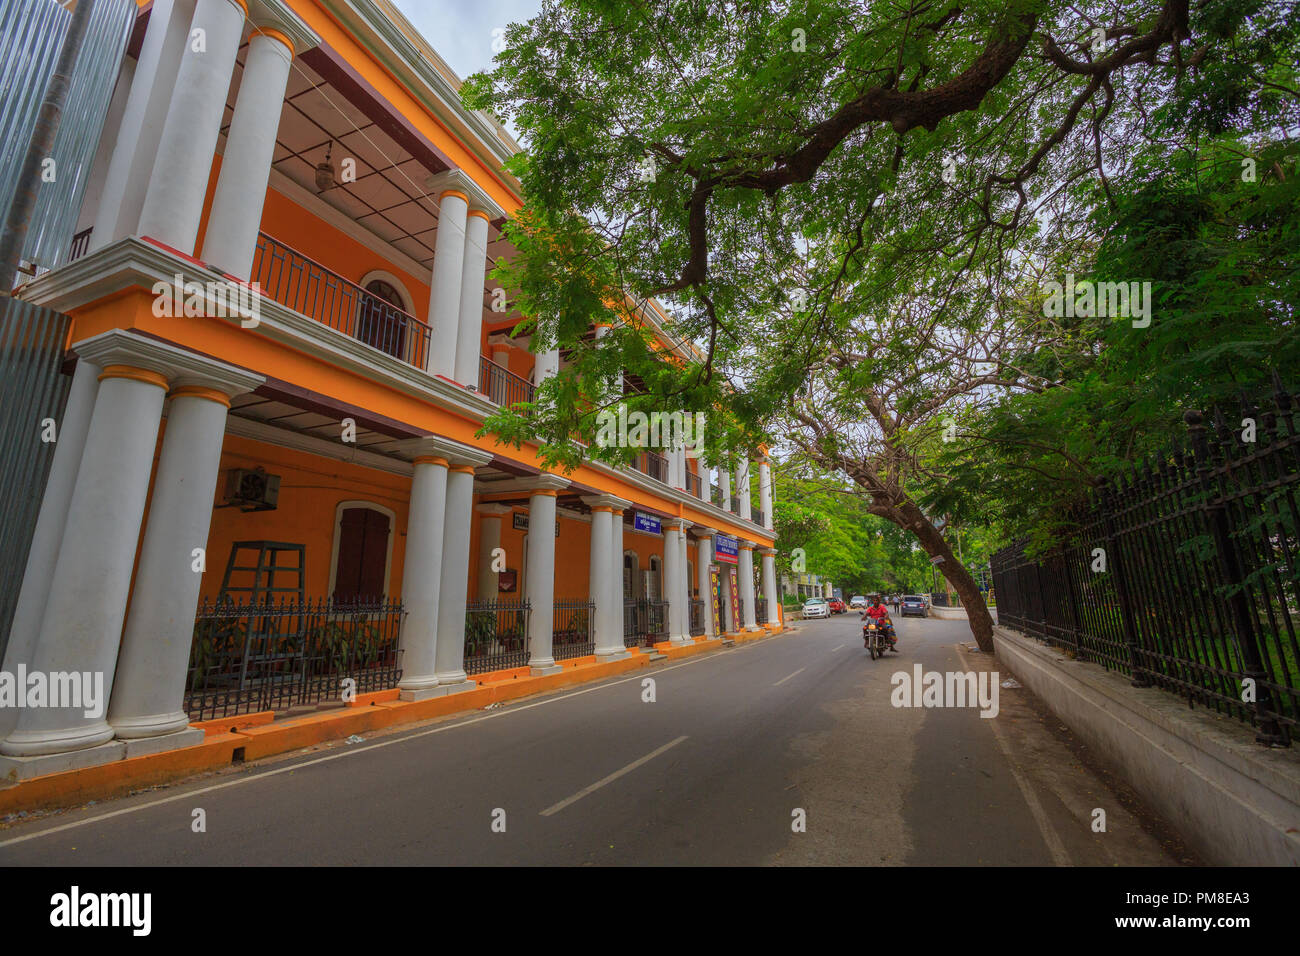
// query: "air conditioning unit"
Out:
[252,490]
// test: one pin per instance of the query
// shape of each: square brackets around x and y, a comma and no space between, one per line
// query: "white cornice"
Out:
[377,29]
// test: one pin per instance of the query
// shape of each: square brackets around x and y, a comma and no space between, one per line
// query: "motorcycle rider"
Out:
[878,612]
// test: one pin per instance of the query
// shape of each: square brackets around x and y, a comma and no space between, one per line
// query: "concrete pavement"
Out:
[713,771]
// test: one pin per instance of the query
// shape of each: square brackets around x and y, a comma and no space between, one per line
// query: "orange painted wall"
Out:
[311,488]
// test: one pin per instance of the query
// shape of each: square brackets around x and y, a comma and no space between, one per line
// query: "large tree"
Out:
[785,176]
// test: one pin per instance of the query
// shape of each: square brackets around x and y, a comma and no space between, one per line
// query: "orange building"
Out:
[267,480]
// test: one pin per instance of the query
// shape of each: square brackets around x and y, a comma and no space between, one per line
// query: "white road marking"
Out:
[610,779]
[352,752]
[840,648]
[786,678]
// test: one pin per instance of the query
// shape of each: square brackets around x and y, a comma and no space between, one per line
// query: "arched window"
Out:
[630,583]
[362,552]
[653,579]
[382,318]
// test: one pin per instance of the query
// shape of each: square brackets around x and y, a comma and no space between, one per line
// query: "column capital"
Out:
[457,180]
[545,482]
[705,532]
[769,552]
[180,367]
[431,446]
[606,501]
[275,16]
[678,524]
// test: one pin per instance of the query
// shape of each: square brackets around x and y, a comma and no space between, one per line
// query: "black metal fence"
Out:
[760,610]
[645,622]
[1184,574]
[572,636]
[496,635]
[277,655]
[697,617]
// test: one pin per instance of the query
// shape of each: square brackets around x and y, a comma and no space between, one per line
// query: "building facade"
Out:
[267,480]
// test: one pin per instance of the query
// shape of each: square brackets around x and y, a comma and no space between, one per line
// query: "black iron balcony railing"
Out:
[697,617]
[656,466]
[80,245]
[502,386]
[694,485]
[277,655]
[496,635]
[715,495]
[759,518]
[572,635]
[645,622]
[309,288]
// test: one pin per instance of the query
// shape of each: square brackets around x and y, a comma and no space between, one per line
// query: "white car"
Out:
[816,607]
[857,601]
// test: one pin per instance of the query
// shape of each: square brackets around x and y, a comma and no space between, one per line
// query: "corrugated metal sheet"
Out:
[32,389]
[89,93]
[31,34]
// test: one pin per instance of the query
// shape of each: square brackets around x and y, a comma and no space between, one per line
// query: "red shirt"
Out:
[878,611]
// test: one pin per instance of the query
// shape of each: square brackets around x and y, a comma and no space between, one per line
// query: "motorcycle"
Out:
[875,636]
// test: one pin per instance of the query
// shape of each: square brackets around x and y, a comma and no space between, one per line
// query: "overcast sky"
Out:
[461,30]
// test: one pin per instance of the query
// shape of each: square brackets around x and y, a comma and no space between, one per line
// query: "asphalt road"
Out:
[714,771]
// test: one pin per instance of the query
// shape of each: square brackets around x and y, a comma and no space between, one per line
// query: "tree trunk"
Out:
[981,622]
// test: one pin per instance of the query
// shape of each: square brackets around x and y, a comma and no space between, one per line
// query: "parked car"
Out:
[816,607]
[838,606]
[857,601]
[914,604]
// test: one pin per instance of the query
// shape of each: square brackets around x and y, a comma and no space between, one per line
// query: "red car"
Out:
[837,606]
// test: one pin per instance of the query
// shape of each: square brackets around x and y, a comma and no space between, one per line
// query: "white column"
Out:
[703,559]
[765,492]
[82,624]
[489,539]
[724,479]
[149,692]
[236,217]
[70,440]
[445,287]
[541,574]
[469,333]
[685,585]
[609,639]
[746,575]
[547,364]
[454,585]
[421,576]
[679,617]
[127,179]
[173,204]
[770,590]
[616,572]
[742,489]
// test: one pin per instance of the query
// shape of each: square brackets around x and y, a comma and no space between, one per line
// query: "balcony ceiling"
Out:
[388,197]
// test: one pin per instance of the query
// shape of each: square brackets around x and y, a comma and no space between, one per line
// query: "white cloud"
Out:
[461,30]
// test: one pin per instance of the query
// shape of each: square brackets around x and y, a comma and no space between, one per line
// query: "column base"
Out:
[189,737]
[613,655]
[13,769]
[437,690]
[754,627]
[681,639]
[153,725]
[541,670]
[41,743]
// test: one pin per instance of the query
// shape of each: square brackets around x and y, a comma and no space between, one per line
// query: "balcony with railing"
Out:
[694,485]
[301,283]
[656,466]
[502,386]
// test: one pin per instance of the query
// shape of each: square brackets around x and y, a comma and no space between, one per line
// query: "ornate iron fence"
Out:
[656,466]
[694,484]
[760,610]
[1184,574]
[645,622]
[572,635]
[277,655]
[496,635]
[697,617]
[307,287]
